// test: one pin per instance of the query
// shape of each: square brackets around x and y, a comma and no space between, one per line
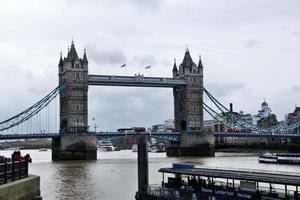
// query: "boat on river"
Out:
[281,158]
[158,148]
[105,145]
[186,182]
[43,149]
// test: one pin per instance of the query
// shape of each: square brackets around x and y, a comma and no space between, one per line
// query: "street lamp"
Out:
[95,125]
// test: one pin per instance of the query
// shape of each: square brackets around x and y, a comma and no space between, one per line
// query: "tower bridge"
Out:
[187,84]
[75,141]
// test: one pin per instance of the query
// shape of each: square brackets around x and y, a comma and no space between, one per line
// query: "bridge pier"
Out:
[194,143]
[74,146]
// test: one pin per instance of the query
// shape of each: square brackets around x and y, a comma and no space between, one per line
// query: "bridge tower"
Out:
[75,143]
[188,111]
[188,100]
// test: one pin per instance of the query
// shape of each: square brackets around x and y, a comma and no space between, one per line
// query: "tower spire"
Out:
[200,62]
[61,63]
[72,54]
[84,58]
[175,66]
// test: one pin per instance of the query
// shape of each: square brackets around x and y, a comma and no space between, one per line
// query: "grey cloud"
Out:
[296,88]
[253,43]
[144,60]
[115,56]
[224,89]
[154,4]
[292,31]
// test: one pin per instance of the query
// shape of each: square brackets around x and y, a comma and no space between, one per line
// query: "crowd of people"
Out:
[16,156]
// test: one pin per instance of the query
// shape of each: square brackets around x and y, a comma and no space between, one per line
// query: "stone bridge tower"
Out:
[73,71]
[188,100]
[188,111]
[75,141]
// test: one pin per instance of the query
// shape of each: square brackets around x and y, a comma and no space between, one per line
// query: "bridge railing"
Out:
[83,129]
[12,171]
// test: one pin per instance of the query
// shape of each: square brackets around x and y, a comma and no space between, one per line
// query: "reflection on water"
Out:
[114,175]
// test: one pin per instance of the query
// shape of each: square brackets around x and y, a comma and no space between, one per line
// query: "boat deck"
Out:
[258,176]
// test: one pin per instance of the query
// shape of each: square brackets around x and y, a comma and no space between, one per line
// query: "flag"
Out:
[148,67]
[124,65]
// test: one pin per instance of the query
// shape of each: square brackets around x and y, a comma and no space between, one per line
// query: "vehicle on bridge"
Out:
[131,130]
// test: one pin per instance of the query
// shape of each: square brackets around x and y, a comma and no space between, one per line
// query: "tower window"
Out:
[77,75]
[77,65]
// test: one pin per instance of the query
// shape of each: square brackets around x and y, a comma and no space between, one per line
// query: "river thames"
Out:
[114,175]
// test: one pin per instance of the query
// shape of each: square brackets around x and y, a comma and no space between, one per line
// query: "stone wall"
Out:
[23,189]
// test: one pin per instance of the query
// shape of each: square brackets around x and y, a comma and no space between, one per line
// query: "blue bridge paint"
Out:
[169,136]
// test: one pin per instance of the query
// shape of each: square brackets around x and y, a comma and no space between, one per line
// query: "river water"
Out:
[114,175]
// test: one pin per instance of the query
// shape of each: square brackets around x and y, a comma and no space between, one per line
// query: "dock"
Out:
[189,183]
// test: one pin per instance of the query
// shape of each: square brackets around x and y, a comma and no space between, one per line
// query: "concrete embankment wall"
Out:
[23,189]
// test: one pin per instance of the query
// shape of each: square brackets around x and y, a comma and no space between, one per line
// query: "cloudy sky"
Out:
[250,50]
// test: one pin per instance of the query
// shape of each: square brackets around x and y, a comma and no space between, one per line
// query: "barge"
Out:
[188,183]
[281,158]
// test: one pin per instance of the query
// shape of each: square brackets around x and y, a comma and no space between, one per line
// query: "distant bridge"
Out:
[169,136]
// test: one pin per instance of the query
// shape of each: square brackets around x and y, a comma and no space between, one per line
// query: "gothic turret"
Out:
[61,62]
[187,66]
[72,54]
[175,70]
[187,60]
[200,63]
[84,58]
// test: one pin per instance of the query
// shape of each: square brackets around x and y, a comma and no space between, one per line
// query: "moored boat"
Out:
[281,158]
[105,146]
[43,149]
[267,158]
[134,148]
[157,148]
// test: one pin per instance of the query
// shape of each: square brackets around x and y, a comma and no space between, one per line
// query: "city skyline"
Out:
[250,51]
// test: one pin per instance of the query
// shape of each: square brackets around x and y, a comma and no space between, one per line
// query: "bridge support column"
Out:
[74,146]
[143,173]
[193,144]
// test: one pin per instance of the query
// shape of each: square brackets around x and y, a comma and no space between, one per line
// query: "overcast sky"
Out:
[250,51]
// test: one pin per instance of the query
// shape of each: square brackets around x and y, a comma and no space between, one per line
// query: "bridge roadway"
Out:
[171,136]
[135,81]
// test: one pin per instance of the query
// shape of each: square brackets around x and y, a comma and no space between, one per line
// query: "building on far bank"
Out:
[265,118]
[293,118]
[167,126]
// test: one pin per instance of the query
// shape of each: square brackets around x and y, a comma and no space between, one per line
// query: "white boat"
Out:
[43,149]
[134,148]
[105,145]
[157,148]
[267,158]
[282,158]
